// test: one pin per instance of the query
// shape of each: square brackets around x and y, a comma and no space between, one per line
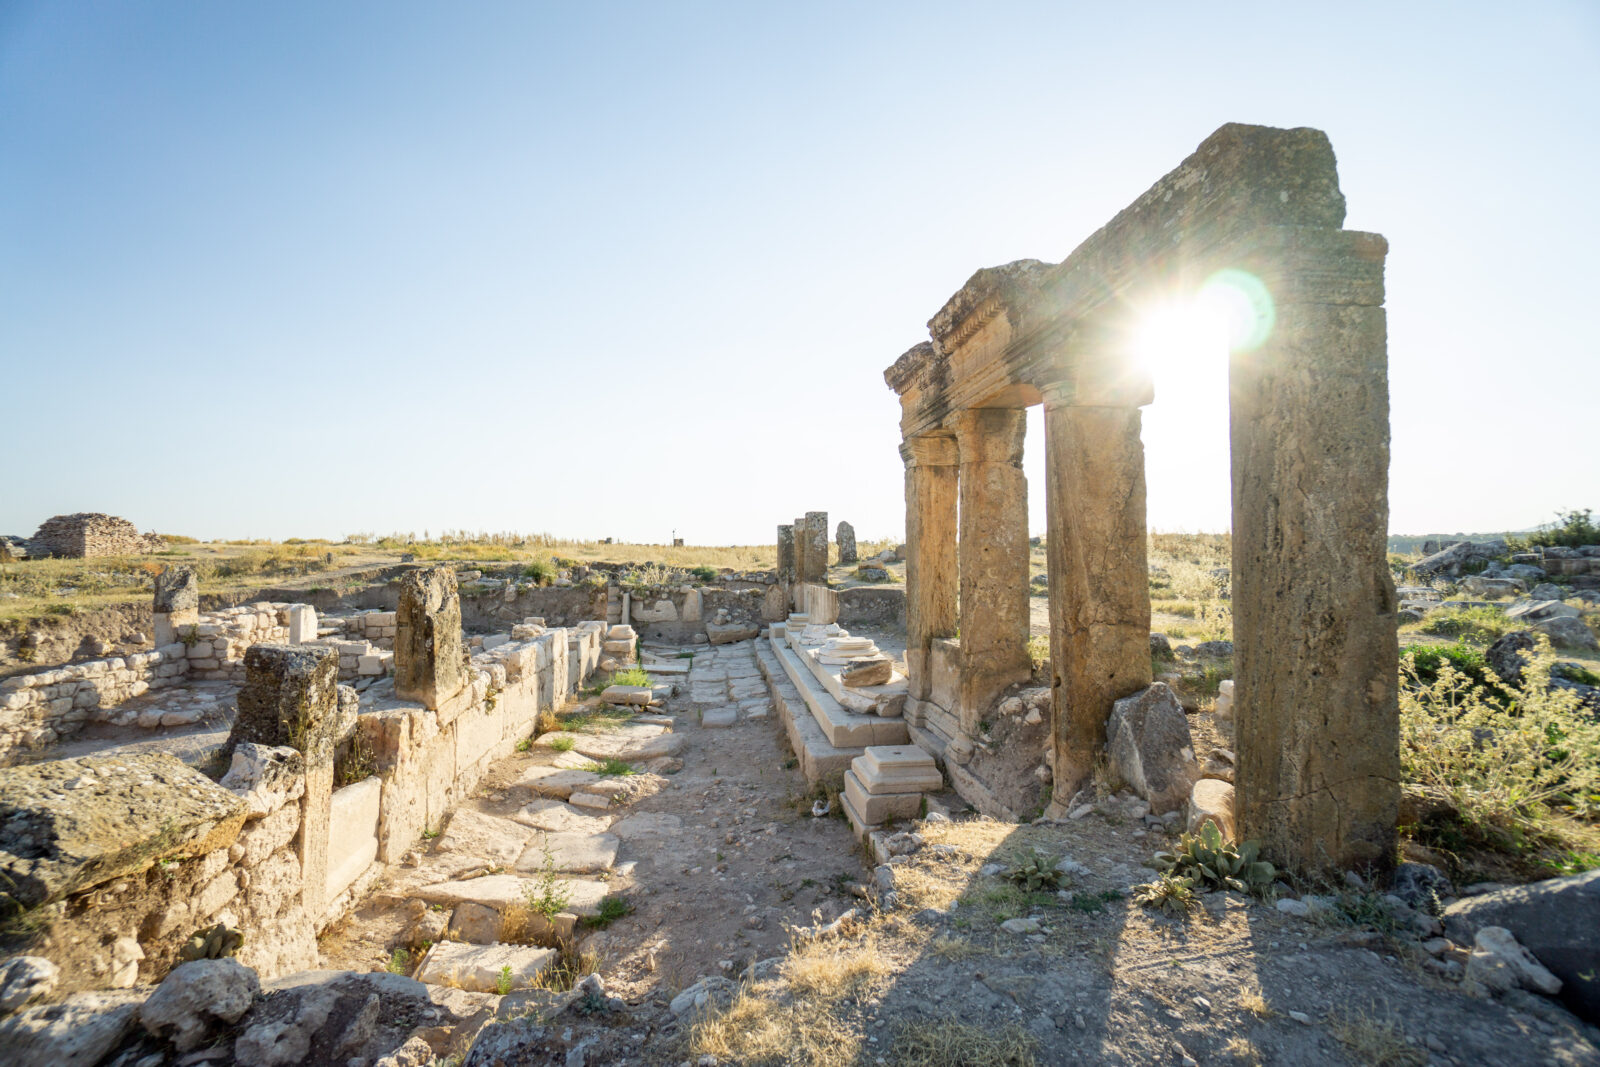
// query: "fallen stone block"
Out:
[479,968]
[719,718]
[627,694]
[1211,801]
[1150,748]
[897,769]
[77,823]
[729,633]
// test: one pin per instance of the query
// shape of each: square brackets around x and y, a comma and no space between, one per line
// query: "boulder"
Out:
[1558,920]
[77,1032]
[1150,749]
[68,825]
[1536,610]
[265,776]
[1498,964]
[1568,632]
[1509,655]
[335,1017]
[1422,887]
[706,992]
[1478,585]
[1451,559]
[193,1001]
[25,978]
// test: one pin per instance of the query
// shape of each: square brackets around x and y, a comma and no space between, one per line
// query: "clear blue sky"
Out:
[307,269]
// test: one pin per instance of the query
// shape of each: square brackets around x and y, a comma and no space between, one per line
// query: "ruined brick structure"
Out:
[1259,210]
[89,534]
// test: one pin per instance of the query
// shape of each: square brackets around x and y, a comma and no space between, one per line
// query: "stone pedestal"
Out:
[428,661]
[994,558]
[1315,701]
[931,575]
[176,604]
[302,624]
[1099,577]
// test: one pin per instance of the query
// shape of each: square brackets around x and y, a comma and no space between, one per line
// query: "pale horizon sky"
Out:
[622,269]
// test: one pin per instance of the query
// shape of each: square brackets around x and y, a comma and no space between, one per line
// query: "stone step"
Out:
[482,968]
[817,757]
[843,728]
[862,699]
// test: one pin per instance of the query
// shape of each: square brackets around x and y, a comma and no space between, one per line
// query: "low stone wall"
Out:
[216,644]
[873,607]
[144,852]
[493,609]
[428,760]
[680,614]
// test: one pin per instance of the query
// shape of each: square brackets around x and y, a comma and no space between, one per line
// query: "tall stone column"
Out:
[931,568]
[994,558]
[801,544]
[1315,699]
[427,643]
[816,534]
[785,553]
[1099,577]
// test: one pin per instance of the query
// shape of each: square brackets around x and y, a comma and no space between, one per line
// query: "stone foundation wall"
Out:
[90,535]
[881,607]
[37,710]
[558,605]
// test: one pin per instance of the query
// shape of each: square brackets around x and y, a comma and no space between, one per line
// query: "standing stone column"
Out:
[1315,672]
[291,697]
[847,543]
[427,642]
[931,569]
[994,558]
[1099,577]
[816,547]
[176,604]
[802,545]
[785,553]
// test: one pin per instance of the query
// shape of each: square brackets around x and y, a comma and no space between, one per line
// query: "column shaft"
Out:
[1313,602]
[931,567]
[1099,580]
[994,558]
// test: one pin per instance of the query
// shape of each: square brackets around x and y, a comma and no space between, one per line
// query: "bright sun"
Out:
[1232,311]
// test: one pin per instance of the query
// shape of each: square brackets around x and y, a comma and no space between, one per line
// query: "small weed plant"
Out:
[1171,893]
[548,896]
[1036,871]
[502,984]
[612,908]
[562,744]
[399,962]
[1209,861]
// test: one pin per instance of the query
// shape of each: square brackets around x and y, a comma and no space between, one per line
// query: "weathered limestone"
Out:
[302,624]
[1099,583]
[1257,213]
[291,697]
[77,823]
[846,538]
[931,576]
[816,540]
[994,558]
[428,658]
[802,545]
[786,542]
[1315,654]
[177,604]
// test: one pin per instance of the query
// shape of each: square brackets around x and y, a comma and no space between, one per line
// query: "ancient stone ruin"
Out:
[1257,210]
[87,535]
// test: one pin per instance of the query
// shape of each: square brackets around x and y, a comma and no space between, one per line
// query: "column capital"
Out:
[929,451]
[990,435]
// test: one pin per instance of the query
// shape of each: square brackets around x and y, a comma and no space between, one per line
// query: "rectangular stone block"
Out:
[876,808]
[897,769]
[302,624]
[429,662]
[353,833]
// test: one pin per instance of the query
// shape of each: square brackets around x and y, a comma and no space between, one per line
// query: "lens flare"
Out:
[1240,301]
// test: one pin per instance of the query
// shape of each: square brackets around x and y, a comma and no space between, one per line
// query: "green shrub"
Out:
[631,676]
[1206,859]
[1576,527]
[542,571]
[704,574]
[1502,754]
[1427,659]
[1478,624]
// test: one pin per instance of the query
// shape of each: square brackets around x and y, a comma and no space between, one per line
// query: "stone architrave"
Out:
[1099,584]
[931,575]
[176,604]
[786,553]
[994,558]
[291,697]
[1314,607]
[816,535]
[428,665]
[846,539]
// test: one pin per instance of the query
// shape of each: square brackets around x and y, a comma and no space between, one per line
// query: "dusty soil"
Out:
[931,975]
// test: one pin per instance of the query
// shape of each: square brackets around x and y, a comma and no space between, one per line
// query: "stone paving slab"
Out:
[498,841]
[571,853]
[480,968]
[717,718]
[557,817]
[500,891]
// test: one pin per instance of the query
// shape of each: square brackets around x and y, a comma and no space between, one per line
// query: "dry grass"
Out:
[952,1044]
[1256,1004]
[1374,1040]
[1242,1051]
[758,1029]
[835,968]
[953,948]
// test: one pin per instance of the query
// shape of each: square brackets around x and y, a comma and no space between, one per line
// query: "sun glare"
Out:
[1232,311]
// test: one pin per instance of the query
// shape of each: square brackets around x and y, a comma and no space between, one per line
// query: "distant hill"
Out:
[1408,543]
